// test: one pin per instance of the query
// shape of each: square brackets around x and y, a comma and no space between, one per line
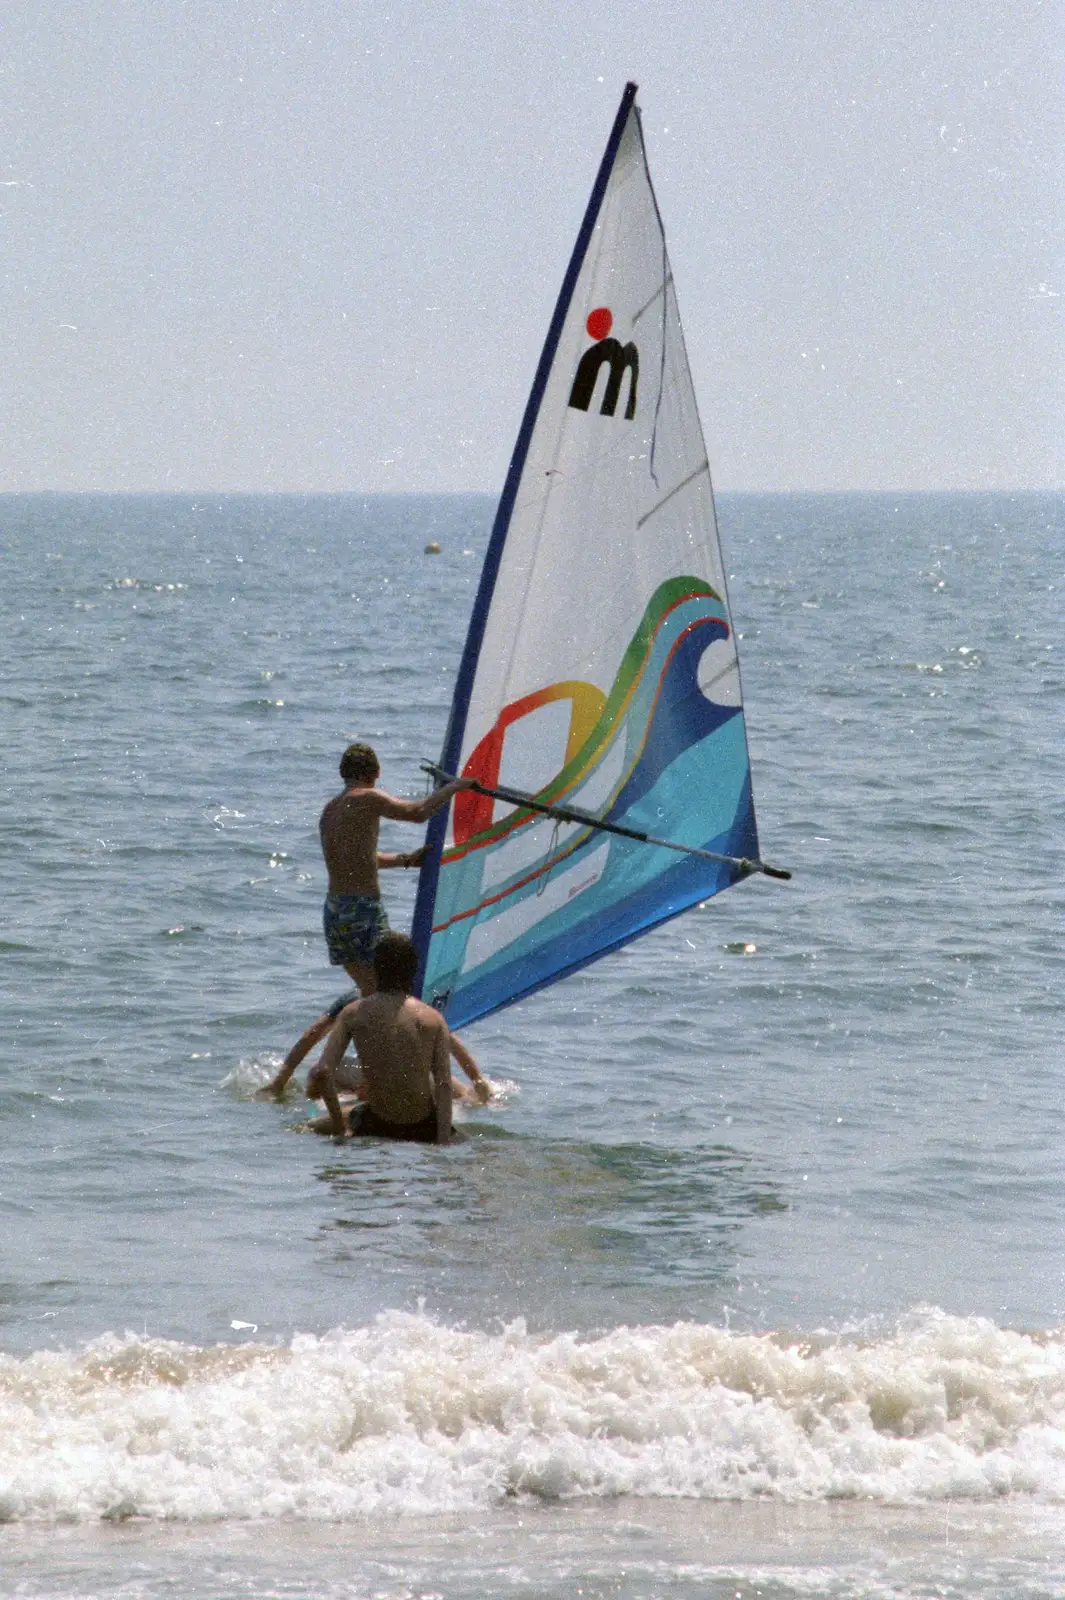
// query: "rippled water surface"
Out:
[770,1209]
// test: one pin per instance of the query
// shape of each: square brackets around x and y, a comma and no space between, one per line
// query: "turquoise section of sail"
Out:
[609,889]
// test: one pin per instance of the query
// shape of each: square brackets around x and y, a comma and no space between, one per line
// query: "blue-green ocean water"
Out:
[750,1283]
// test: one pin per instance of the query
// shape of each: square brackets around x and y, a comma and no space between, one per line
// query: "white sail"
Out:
[600,670]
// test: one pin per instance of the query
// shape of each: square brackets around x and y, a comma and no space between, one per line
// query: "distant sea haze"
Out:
[750,1280]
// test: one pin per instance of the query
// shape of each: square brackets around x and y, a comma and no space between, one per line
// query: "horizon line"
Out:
[493,494]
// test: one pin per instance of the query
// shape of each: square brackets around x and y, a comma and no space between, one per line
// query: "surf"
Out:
[410,1416]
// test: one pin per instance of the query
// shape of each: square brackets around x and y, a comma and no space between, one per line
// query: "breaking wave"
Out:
[408,1417]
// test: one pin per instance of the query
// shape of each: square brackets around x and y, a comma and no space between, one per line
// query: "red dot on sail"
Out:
[600,321]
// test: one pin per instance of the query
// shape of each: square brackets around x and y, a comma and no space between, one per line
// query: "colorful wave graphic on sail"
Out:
[664,750]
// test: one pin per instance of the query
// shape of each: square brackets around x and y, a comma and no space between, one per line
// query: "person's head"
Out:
[359,764]
[395,962]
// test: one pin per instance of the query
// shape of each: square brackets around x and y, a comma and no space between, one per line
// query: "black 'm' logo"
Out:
[620,358]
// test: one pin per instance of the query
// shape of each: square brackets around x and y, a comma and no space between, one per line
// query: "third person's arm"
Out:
[441,1069]
[331,1058]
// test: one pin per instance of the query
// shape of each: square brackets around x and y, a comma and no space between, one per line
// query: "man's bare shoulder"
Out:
[354,800]
[426,1016]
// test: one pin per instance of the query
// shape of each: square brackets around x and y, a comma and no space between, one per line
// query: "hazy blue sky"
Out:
[315,245]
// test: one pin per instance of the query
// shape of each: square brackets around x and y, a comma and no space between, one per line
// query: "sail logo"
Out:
[619,358]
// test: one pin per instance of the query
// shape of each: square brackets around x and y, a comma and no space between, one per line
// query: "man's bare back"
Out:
[348,829]
[398,1040]
[404,1048]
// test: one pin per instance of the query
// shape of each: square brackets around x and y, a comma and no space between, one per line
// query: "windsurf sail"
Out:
[600,678]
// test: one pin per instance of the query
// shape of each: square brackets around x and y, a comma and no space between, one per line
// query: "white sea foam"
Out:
[407,1416]
[245,1080]
[504,1090]
[250,1076]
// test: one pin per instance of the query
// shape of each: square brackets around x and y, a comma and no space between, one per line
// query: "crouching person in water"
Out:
[348,1074]
[404,1049]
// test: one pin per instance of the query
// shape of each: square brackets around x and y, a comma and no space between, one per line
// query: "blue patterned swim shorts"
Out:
[353,924]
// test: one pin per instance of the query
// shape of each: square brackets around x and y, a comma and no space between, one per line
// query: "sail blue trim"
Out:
[434,844]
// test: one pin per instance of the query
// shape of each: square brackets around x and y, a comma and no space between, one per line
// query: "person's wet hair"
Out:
[359,764]
[395,962]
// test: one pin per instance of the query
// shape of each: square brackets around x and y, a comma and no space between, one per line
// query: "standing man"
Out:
[354,918]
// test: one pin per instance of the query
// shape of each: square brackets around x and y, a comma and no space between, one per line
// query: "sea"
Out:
[748,1285]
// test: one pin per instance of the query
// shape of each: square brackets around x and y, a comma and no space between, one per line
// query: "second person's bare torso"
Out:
[397,1039]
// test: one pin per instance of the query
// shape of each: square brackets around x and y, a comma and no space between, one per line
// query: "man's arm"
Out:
[330,1059]
[401,858]
[303,1046]
[386,805]
[441,1070]
[471,1069]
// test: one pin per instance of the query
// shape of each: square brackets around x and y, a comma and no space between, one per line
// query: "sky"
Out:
[315,244]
